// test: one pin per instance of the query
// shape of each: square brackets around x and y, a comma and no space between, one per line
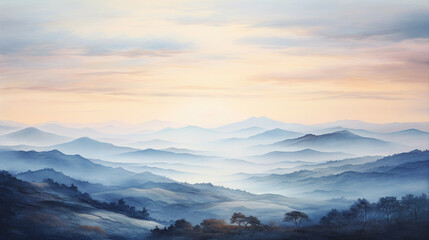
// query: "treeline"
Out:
[386,210]
[119,207]
[212,228]
[388,218]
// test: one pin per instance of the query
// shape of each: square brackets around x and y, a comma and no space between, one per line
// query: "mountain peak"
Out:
[30,130]
[345,132]
[32,136]
[412,130]
[85,139]
[310,135]
[308,150]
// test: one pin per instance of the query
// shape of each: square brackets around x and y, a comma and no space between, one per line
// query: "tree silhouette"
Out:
[213,225]
[362,206]
[183,227]
[414,204]
[333,218]
[409,202]
[387,205]
[238,218]
[254,224]
[296,217]
[348,215]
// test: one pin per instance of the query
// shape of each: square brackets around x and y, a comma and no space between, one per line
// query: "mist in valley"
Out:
[244,167]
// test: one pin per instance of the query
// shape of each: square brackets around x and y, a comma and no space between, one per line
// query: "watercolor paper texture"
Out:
[214,119]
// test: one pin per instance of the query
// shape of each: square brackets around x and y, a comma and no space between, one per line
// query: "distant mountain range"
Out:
[154,143]
[71,165]
[69,131]
[151,155]
[188,134]
[400,173]
[91,148]
[302,155]
[261,122]
[268,123]
[383,127]
[164,198]
[32,136]
[414,137]
[247,132]
[342,140]
[313,167]
[10,126]
[265,137]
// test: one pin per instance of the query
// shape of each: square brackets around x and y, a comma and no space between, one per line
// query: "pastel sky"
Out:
[212,62]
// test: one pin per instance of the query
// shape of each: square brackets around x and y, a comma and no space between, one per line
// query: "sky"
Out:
[212,62]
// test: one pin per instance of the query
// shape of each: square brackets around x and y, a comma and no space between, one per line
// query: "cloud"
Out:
[175,92]
[340,22]
[388,96]
[52,43]
[276,42]
[27,33]
[398,72]
[260,54]
[410,25]
[136,47]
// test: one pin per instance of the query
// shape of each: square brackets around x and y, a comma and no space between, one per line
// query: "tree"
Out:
[362,206]
[254,224]
[333,218]
[348,215]
[73,188]
[121,204]
[409,202]
[238,218]
[414,204]
[213,225]
[423,204]
[387,205]
[143,213]
[296,217]
[183,227]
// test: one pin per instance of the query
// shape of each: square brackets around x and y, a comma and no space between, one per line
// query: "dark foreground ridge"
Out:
[49,210]
[386,219]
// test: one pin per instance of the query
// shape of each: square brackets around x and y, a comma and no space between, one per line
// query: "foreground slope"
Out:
[51,211]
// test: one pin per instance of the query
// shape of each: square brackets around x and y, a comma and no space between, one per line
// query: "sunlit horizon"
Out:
[209,63]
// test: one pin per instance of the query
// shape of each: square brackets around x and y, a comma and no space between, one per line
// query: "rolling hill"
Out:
[344,141]
[152,155]
[72,165]
[91,148]
[32,136]
[51,211]
[396,174]
[302,155]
